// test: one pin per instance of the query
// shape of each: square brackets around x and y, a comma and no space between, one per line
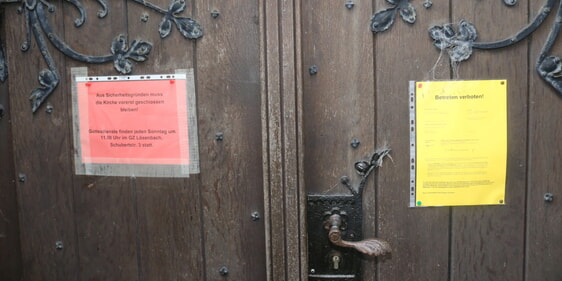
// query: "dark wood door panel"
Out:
[338,99]
[128,228]
[42,157]
[270,131]
[497,232]
[543,225]
[487,242]
[10,249]
[420,236]
[106,208]
[229,95]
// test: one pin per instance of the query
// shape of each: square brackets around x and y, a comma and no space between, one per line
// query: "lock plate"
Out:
[321,251]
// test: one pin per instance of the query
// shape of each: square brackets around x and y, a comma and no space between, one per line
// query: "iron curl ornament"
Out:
[384,19]
[121,52]
[458,40]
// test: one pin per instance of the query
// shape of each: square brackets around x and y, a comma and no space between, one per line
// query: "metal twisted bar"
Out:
[48,78]
[523,33]
[62,46]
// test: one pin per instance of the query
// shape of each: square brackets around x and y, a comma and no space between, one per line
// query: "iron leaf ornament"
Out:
[187,27]
[457,42]
[383,20]
[122,54]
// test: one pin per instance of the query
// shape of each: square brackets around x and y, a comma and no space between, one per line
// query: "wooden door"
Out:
[209,226]
[355,100]
[290,94]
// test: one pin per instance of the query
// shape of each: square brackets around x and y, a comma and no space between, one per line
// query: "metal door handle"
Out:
[372,247]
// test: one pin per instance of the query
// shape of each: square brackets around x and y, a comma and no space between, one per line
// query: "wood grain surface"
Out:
[286,133]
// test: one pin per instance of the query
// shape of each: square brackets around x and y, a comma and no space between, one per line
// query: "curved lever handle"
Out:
[373,247]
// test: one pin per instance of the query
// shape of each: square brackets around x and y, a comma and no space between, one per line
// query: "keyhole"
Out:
[336,261]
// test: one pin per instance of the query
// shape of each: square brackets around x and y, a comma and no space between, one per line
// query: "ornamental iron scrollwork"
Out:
[122,53]
[459,40]
[364,168]
[384,19]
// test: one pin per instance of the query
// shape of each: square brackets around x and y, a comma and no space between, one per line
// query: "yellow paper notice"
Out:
[461,142]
